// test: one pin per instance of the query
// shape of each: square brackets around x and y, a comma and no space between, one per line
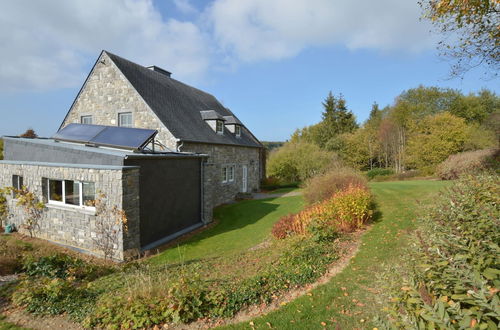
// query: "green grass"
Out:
[351,299]
[240,226]
[284,190]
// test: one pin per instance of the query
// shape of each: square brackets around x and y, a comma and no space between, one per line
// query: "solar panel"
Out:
[110,136]
[133,138]
[78,132]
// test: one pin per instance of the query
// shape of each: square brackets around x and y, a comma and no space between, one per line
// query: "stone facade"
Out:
[223,155]
[75,226]
[106,93]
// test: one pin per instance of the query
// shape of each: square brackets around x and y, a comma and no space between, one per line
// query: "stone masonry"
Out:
[220,155]
[107,92]
[74,226]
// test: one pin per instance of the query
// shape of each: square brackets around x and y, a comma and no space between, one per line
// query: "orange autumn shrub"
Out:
[345,211]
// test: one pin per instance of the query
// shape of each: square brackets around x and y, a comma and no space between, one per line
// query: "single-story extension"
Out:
[161,193]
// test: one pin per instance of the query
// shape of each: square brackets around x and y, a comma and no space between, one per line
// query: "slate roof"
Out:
[179,105]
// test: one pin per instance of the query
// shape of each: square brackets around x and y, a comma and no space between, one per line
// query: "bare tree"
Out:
[110,222]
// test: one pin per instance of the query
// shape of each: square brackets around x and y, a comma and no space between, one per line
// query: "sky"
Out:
[272,62]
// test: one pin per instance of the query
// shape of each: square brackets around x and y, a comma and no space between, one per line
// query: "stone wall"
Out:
[106,93]
[216,191]
[75,226]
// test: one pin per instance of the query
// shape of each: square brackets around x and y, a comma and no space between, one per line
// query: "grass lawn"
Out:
[240,227]
[349,300]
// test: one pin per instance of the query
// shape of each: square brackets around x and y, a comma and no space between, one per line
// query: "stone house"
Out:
[123,93]
[197,155]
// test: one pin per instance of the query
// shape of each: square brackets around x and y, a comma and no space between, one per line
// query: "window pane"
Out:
[231,173]
[219,127]
[224,174]
[55,190]
[238,130]
[86,120]
[72,192]
[125,119]
[88,189]
[17,183]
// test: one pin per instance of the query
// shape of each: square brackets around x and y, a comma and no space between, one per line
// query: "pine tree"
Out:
[337,119]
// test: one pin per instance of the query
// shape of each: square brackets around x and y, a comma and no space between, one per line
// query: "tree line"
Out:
[418,131]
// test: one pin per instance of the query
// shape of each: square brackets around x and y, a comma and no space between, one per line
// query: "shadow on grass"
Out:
[230,233]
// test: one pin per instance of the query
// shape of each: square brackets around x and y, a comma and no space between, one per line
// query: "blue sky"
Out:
[271,62]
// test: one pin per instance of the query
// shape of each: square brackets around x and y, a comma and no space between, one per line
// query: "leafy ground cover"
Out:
[450,277]
[236,254]
[351,299]
[4,325]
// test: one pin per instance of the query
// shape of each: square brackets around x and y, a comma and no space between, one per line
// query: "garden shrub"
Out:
[346,211]
[322,187]
[58,284]
[406,175]
[297,162]
[454,275]
[62,266]
[187,297]
[54,296]
[379,172]
[467,162]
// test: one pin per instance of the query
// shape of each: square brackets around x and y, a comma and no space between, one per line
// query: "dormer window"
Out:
[214,120]
[233,125]
[219,127]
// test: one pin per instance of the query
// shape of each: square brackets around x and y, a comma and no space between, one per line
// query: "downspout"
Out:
[202,190]
[179,144]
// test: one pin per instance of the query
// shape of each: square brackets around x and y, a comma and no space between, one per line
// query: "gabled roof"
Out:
[232,120]
[179,105]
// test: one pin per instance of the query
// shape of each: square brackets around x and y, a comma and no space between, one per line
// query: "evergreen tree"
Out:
[337,119]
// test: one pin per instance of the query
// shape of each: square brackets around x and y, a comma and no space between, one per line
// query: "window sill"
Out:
[78,209]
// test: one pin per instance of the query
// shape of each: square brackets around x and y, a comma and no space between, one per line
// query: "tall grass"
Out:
[466,162]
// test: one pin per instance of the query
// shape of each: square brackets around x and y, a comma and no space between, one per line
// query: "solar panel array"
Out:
[108,136]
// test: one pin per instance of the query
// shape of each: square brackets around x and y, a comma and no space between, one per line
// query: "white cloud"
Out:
[49,44]
[262,29]
[46,44]
[185,7]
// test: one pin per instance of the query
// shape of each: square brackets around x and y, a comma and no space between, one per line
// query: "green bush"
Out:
[379,172]
[58,284]
[297,162]
[62,266]
[322,187]
[467,162]
[54,296]
[454,271]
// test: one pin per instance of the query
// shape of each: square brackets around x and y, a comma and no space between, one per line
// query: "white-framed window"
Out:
[219,127]
[227,173]
[237,130]
[125,119]
[69,192]
[86,120]
[17,184]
